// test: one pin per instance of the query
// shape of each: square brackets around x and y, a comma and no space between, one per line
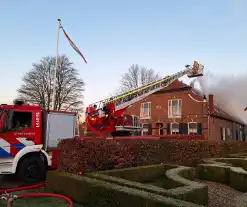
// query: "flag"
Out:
[74,46]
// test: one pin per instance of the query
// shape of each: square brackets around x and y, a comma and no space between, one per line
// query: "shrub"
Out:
[94,193]
[80,156]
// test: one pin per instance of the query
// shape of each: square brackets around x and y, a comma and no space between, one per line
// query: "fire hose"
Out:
[5,194]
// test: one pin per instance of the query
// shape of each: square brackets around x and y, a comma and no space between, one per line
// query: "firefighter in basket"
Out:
[195,67]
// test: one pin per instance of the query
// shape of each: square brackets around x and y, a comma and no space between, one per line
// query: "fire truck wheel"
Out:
[31,169]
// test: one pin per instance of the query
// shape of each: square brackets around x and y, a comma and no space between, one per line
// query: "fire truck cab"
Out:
[29,136]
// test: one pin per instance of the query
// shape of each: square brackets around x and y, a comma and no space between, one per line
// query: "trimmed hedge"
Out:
[213,172]
[181,188]
[88,155]
[94,193]
[225,170]
[150,174]
[238,178]
[232,161]
[141,174]
[238,155]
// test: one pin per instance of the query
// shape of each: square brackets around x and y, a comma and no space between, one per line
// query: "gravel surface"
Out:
[221,195]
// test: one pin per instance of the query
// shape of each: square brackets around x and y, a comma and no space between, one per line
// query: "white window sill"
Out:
[145,117]
[175,116]
[192,132]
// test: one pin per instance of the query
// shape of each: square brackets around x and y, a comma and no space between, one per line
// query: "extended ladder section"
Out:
[127,99]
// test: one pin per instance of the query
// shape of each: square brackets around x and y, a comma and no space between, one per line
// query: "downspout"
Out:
[210,110]
[208,126]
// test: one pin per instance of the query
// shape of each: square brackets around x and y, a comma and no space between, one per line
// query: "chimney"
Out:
[211,103]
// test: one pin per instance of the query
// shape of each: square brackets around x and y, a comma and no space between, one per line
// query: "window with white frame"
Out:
[174,108]
[192,128]
[145,111]
[174,128]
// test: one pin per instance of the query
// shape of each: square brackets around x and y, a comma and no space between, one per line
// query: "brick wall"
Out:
[192,111]
[216,126]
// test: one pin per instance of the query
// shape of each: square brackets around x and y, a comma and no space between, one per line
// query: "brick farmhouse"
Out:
[180,109]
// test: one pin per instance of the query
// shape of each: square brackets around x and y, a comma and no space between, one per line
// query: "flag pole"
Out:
[56,65]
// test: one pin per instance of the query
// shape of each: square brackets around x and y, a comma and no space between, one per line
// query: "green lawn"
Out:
[38,202]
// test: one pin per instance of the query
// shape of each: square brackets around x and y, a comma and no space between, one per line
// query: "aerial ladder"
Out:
[108,115]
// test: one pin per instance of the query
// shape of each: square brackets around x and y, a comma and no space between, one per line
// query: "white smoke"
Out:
[230,92]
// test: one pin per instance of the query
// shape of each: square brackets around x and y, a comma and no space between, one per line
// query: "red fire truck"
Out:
[29,137]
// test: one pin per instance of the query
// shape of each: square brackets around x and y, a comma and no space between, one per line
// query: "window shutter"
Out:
[180,107]
[177,107]
[185,128]
[149,109]
[221,133]
[168,129]
[149,129]
[199,128]
[141,110]
[181,126]
[169,107]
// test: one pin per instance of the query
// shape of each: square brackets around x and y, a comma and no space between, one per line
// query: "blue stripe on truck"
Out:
[4,154]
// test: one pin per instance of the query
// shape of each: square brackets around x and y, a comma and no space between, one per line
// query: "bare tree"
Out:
[137,76]
[38,83]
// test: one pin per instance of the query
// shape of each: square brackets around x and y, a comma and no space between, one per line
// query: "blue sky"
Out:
[161,34]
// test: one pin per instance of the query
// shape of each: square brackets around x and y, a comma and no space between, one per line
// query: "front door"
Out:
[159,127]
